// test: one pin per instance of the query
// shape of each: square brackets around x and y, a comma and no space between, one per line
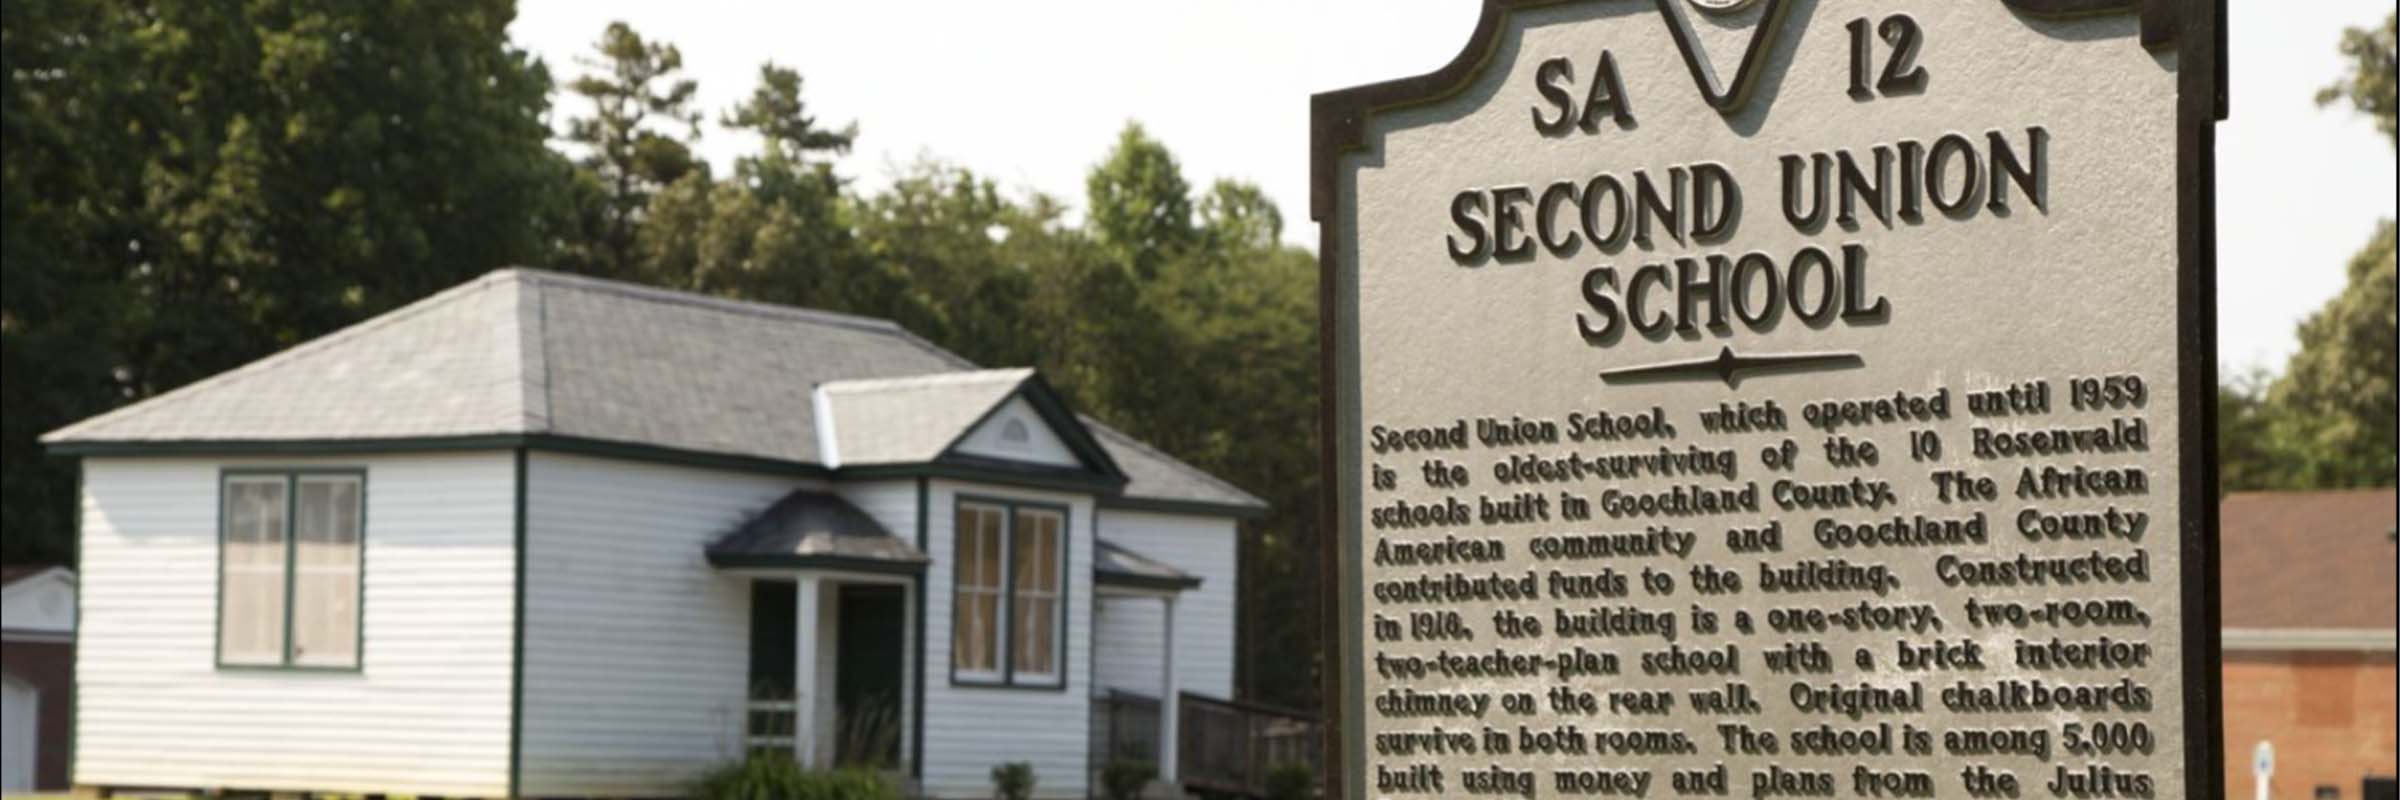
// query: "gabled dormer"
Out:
[1004,423]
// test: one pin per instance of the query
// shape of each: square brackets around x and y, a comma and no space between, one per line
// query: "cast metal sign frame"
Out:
[2191,29]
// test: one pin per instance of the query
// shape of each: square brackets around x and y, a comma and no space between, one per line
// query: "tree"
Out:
[776,113]
[2332,412]
[779,229]
[2333,409]
[192,186]
[635,90]
[1239,215]
[1139,205]
[2369,85]
[2328,421]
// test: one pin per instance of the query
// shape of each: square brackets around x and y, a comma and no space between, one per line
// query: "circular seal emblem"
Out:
[1721,6]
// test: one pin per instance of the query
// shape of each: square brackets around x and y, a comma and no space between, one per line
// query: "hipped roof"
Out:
[2312,560]
[529,352]
[812,528]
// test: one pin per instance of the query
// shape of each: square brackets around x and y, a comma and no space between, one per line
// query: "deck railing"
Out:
[771,724]
[1124,727]
[1231,746]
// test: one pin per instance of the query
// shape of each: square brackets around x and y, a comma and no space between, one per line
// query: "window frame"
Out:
[1008,676]
[292,478]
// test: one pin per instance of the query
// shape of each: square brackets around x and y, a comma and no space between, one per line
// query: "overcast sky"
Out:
[1031,94]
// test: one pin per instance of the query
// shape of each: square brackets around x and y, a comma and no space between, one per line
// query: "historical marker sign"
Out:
[1776,398]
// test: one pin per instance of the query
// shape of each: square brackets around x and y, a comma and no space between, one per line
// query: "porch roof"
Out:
[1113,565]
[814,529]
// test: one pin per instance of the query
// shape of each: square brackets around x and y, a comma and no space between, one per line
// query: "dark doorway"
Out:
[867,675]
[773,606]
[769,722]
[2380,789]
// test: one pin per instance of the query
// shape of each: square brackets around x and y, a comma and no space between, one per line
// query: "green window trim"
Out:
[1005,649]
[291,478]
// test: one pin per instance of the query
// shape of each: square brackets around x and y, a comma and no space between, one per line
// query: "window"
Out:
[1034,626]
[976,643]
[290,569]
[1010,600]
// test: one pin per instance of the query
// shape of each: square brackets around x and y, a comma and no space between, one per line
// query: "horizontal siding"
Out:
[1126,637]
[636,650]
[969,729]
[427,713]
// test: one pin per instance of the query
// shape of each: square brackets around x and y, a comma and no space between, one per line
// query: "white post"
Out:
[1169,739]
[804,671]
[908,666]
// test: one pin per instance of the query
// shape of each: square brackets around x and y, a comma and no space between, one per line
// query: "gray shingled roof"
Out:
[522,351]
[1112,563]
[909,420]
[808,526]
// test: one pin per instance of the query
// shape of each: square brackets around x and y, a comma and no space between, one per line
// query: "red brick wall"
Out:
[2329,714]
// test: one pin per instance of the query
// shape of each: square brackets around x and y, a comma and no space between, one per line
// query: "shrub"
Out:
[1014,780]
[1124,778]
[1291,780]
[774,776]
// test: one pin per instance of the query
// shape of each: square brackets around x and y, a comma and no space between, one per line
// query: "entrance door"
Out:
[867,675]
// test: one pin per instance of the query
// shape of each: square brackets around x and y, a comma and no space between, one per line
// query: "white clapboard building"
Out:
[549,536]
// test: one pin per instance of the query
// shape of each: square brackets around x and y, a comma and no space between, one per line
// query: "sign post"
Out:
[2262,767]
[1776,398]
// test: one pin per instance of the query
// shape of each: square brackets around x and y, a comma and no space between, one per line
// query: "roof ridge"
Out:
[153,404]
[927,379]
[533,342]
[1162,455]
[756,307]
[682,297]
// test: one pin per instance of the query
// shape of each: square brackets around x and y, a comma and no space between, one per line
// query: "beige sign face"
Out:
[1770,399]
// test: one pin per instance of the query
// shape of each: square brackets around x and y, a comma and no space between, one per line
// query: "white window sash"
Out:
[994,642]
[252,572]
[341,559]
[1048,577]
[279,600]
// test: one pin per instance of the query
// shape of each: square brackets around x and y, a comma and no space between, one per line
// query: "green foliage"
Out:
[776,113]
[774,776]
[2246,456]
[2369,85]
[191,186]
[1140,206]
[1014,780]
[636,90]
[777,231]
[1124,778]
[868,735]
[1291,780]
[2328,422]
[2330,419]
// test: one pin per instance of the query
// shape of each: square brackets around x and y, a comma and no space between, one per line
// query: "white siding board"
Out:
[637,652]
[969,729]
[1126,637]
[427,713]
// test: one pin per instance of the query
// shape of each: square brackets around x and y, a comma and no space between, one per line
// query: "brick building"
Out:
[2308,615]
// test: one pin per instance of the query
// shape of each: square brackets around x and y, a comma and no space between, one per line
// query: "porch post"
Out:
[1168,739]
[804,671]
